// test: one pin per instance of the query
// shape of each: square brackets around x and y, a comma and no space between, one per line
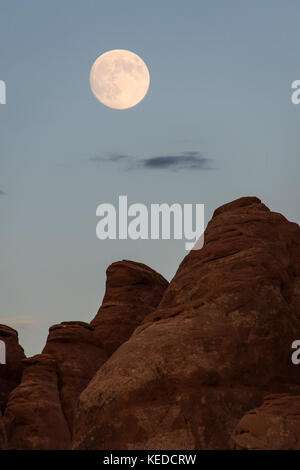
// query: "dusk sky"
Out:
[219,107]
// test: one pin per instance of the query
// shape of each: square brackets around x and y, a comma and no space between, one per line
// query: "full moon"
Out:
[119,79]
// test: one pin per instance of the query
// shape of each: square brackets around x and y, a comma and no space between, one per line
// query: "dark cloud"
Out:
[188,160]
[184,161]
[2,193]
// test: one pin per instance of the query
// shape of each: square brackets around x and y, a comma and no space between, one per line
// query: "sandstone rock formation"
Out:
[10,373]
[202,363]
[273,426]
[34,417]
[133,290]
[79,355]
[219,341]
[73,354]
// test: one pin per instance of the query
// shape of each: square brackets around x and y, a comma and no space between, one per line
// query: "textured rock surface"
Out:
[33,417]
[218,342]
[10,373]
[273,426]
[133,290]
[39,414]
[78,355]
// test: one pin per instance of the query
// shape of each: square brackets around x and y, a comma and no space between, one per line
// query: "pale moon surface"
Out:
[119,79]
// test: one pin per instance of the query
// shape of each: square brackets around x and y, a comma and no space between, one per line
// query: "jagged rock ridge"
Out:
[204,363]
[73,353]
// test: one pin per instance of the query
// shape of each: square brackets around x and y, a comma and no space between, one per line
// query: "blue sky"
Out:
[221,73]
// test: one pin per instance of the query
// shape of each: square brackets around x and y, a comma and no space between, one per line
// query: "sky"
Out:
[220,93]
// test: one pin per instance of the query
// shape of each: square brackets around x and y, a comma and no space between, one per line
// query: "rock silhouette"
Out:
[73,353]
[78,356]
[133,290]
[10,373]
[34,417]
[218,342]
[201,363]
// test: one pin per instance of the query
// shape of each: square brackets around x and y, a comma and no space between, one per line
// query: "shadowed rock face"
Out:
[273,426]
[219,340]
[10,373]
[3,443]
[73,354]
[78,355]
[34,417]
[133,290]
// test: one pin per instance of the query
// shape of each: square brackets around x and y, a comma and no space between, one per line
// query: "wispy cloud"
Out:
[2,193]
[19,321]
[188,160]
[112,157]
[184,161]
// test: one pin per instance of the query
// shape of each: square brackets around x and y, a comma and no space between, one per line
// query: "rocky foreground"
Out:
[201,363]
